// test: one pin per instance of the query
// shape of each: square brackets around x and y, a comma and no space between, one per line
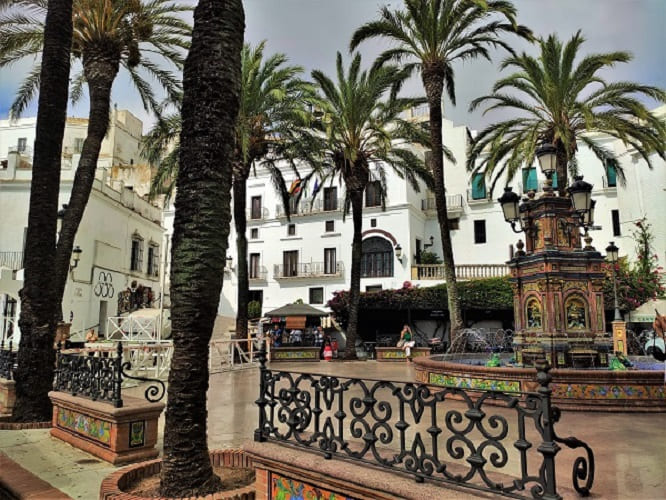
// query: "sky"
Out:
[310,32]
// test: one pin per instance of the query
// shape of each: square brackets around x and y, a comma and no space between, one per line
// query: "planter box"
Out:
[116,435]
[7,397]
[397,354]
[295,353]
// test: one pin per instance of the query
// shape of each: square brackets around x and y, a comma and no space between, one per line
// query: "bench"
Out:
[397,354]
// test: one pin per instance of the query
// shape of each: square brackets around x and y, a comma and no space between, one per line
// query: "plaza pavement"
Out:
[630,449]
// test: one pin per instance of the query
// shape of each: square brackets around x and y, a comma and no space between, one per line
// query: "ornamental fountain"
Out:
[557,281]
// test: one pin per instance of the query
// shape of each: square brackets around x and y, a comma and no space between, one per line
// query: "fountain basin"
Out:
[573,389]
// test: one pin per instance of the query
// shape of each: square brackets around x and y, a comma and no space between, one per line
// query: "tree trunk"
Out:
[211,93]
[433,81]
[356,197]
[34,375]
[561,169]
[240,204]
[100,70]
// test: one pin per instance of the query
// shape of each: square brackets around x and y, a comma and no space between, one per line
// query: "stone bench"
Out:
[397,354]
[116,435]
[294,353]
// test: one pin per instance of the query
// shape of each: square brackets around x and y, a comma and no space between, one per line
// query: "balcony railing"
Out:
[22,150]
[251,215]
[453,203]
[308,207]
[12,260]
[257,274]
[464,272]
[308,270]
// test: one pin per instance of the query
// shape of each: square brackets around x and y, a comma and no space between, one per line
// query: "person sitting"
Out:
[318,337]
[406,343]
[296,337]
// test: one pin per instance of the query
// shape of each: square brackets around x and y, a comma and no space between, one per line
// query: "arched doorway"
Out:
[377,258]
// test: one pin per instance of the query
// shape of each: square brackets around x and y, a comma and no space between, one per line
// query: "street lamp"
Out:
[547,156]
[398,252]
[76,256]
[612,256]
[509,203]
[229,262]
[581,196]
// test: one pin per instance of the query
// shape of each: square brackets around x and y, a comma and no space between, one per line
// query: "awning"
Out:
[296,310]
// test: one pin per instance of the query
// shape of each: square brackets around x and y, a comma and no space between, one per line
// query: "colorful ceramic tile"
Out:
[474,383]
[295,354]
[137,433]
[93,428]
[600,391]
[285,488]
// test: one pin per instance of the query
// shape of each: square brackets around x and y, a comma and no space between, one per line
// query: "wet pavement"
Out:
[630,449]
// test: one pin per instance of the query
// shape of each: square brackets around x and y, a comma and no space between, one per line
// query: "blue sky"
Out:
[311,31]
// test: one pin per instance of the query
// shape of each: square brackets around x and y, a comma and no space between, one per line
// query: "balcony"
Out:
[464,272]
[11,260]
[308,270]
[256,216]
[454,205]
[307,207]
[257,274]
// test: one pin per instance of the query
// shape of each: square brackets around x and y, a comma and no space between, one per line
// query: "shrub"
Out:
[254,309]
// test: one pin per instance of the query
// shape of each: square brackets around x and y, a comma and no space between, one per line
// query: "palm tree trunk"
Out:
[356,197]
[561,169]
[211,93]
[34,375]
[100,70]
[433,81]
[240,204]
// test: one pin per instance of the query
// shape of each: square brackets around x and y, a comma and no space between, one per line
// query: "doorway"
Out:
[103,305]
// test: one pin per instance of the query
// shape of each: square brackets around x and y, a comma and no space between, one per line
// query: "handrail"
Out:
[408,428]
[463,271]
[308,269]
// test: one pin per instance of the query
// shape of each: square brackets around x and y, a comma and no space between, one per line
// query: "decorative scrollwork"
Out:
[154,392]
[445,434]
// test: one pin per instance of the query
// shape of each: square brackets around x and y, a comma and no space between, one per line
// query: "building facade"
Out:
[121,236]
[309,256]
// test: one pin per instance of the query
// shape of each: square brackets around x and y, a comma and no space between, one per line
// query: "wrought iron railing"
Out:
[453,202]
[309,269]
[307,207]
[449,434]
[99,375]
[7,360]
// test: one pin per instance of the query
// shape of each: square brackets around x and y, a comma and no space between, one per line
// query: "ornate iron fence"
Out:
[99,376]
[7,360]
[407,427]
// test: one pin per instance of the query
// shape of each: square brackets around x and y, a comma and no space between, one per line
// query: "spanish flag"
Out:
[295,187]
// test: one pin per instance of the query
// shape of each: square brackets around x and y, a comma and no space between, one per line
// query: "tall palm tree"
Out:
[430,36]
[362,133]
[107,35]
[273,115]
[211,97]
[558,98]
[36,356]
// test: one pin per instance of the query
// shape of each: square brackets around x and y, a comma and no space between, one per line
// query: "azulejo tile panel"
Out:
[608,391]
[285,488]
[295,354]
[442,379]
[93,428]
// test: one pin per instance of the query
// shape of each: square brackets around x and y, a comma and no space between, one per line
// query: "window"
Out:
[373,222]
[290,263]
[293,205]
[330,198]
[530,179]
[454,224]
[316,295]
[291,230]
[254,233]
[254,266]
[136,257]
[373,194]
[377,258]
[78,144]
[153,260]
[373,288]
[479,231]
[256,207]
[330,226]
[22,144]
[329,261]
[478,187]
[615,218]
[611,174]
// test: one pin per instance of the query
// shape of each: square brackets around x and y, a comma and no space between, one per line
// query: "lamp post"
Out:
[547,156]
[612,256]
[398,252]
[76,256]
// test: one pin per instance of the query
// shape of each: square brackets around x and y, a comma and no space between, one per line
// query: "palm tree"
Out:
[107,34]
[273,113]
[362,133]
[430,36]
[211,97]
[36,357]
[558,100]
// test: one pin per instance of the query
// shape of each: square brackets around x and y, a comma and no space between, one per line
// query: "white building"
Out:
[309,258]
[120,236]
